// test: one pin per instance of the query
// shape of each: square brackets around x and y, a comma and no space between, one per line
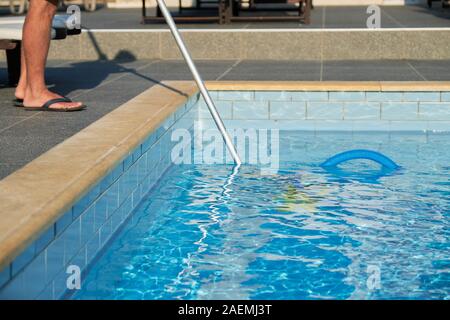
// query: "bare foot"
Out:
[20,90]
[37,100]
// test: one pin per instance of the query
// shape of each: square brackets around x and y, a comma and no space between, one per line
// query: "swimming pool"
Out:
[154,208]
[361,232]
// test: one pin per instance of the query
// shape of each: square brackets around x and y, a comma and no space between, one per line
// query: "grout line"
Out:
[393,19]
[228,70]
[23,120]
[416,71]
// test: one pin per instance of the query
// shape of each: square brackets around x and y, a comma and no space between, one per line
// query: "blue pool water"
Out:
[359,232]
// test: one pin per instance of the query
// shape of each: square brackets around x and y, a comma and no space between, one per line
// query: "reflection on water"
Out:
[305,233]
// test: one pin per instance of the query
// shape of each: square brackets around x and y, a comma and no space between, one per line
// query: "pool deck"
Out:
[322,17]
[105,85]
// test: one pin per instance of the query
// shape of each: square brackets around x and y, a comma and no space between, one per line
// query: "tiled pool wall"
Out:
[333,110]
[39,272]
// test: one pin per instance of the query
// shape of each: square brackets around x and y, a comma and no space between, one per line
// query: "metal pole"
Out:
[198,79]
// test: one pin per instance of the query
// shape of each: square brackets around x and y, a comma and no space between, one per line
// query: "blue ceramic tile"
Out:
[126,208]
[324,110]
[23,259]
[47,293]
[148,142]
[438,126]
[169,122]
[34,276]
[272,96]
[63,222]
[14,289]
[384,96]
[137,196]
[136,154]
[112,198]
[434,111]
[250,110]
[45,239]
[445,96]
[105,233]
[223,107]
[125,186]
[421,96]
[88,199]
[55,258]
[287,110]
[142,165]
[236,95]
[309,95]
[399,111]
[93,247]
[5,275]
[60,284]
[101,212]
[79,259]
[165,144]
[347,96]
[159,132]
[133,178]
[127,162]
[362,110]
[179,112]
[72,236]
[116,220]
[110,178]
[87,225]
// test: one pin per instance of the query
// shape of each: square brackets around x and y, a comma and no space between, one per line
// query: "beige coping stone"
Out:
[415,85]
[329,85]
[295,85]
[33,197]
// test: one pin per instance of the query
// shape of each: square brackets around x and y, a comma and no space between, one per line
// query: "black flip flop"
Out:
[18,103]
[46,106]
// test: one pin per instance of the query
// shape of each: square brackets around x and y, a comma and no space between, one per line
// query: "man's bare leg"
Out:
[36,42]
[22,85]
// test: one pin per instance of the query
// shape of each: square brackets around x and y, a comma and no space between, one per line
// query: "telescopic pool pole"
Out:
[198,79]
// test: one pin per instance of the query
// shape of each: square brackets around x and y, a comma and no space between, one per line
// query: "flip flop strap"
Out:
[53,101]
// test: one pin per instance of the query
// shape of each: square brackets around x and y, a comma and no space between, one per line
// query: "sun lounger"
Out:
[226,11]
[444,3]
[11,38]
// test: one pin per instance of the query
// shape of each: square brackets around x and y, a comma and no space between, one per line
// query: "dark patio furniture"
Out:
[11,39]
[445,3]
[226,11]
